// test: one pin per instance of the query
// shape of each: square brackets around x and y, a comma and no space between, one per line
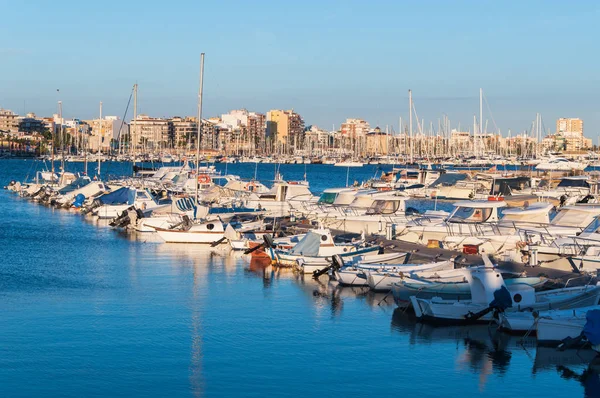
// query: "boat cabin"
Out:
[338,196]
[387,205]
[283,191]
[538,212]
[576,215]
[505,186]
[476,211]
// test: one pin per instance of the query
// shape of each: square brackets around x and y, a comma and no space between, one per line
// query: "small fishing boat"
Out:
[490,294]
[204,232]
[318,245]
[381,280]
[311,265]
[427,289]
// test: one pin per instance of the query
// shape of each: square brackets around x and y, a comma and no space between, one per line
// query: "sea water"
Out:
[86,310]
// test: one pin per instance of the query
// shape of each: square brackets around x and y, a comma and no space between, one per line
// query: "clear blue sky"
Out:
[328,60]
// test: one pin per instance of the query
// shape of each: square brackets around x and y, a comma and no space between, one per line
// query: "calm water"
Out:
[89,311]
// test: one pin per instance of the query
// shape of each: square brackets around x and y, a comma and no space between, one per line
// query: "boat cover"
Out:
[80,182]
[591,330]
[309,245]
[448,179]
[119,197]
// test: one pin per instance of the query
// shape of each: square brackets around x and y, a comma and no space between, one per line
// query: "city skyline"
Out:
[347,60]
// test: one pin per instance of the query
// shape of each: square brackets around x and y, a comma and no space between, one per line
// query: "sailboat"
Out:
[195,231]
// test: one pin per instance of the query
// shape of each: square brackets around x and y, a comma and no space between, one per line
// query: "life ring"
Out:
[251,186]
[204,179]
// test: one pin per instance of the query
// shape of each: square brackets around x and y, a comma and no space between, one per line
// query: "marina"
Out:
[138,296]
[268,199]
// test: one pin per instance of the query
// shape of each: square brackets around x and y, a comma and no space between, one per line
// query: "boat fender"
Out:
[79,199]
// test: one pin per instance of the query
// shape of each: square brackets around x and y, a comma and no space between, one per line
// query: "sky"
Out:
[327,60]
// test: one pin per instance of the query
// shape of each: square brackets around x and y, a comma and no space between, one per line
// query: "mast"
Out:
[132,141]
[199,126]
[99,140]
[62,138]
[410,124]
[481,115]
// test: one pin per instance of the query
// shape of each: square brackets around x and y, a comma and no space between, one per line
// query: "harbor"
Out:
[270,199]
[80,277]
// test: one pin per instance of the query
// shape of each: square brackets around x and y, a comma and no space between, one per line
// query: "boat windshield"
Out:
[568,182]
[327,198]
[384,207]
[470,215]
[593,227]
[572,218]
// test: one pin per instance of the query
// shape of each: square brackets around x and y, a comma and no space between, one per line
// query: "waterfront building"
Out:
[355,128]
[573,125]
[149,132]
[103,133]
[377,143]
[183,132]
[9,122]
[284,130]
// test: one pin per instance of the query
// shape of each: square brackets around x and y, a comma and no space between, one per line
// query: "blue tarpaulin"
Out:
[118,197]
[591,330]
[80,182]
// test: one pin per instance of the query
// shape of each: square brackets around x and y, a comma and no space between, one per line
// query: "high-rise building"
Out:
[569,132]
[355,128]
[183,131]
[149,132]
[9,122]
[285,129]
[569,125]
[105,132]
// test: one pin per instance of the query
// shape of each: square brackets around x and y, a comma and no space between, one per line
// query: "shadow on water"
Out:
[484,350]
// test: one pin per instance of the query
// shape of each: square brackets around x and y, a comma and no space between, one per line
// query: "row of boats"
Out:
[184,205]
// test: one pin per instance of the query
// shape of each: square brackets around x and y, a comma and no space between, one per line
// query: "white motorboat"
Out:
[381,280]
[204,232]
[140,198]
[560,164]
[318,245]
[490,294]
[476,225]
[526,321]
[352,263]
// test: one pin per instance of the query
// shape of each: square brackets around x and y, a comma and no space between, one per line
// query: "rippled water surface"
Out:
[89,311]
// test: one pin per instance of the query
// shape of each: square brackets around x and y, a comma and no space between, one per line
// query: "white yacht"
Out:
[560,164]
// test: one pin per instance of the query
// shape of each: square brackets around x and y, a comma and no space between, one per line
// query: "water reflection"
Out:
[483,350]
[589,378]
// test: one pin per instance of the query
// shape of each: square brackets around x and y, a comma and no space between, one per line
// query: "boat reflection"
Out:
[589,377]
[485,351]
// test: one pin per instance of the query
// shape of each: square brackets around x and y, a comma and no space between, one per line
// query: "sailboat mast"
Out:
[481,117]
[62,138]
[410,131]
[132,140]
[99,140]
[199,125]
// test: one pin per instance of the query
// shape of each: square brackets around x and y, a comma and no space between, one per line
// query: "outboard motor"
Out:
[123,219]
[95,204]
[502,300]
